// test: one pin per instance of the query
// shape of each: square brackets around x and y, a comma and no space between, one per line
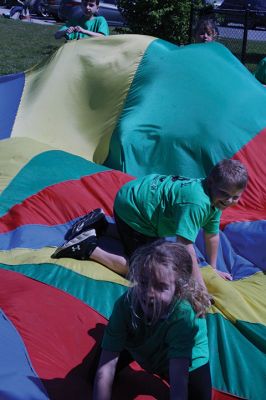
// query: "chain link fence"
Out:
[241,31]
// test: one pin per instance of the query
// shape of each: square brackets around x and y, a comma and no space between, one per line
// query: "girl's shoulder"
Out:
[184,318]
[122,304]
[123,299]
[182,309]
[121,310]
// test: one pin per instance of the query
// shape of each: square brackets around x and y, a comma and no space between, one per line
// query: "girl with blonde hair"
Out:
[160,322]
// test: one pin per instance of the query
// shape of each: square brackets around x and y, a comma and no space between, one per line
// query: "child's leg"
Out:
[199,384]
[112,261]
[85,246]
[15,12]
[130,238]
[124,360]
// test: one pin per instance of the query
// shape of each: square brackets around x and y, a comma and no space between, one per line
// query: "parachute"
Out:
[73,130]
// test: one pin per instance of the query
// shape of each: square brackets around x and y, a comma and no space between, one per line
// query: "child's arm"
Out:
[89,33]
[59,34]
[178,378]
[102,389]
[62,32]
[212,245]
[195,266]
[102,28]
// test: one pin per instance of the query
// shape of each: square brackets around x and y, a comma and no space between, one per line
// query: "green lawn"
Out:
[25,44]
[256,50]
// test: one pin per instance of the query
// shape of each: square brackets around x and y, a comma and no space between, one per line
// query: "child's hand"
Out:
[225,275]
[79,29]
[71,29]
[211,300]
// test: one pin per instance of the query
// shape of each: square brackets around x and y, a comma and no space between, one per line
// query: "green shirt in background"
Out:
[163,205]
[96,24]
[260,72]
[180,334]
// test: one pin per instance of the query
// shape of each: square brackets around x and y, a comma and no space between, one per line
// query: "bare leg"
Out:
[114,262]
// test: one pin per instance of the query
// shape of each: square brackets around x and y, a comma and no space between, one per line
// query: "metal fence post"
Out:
[191,22]
[245,37]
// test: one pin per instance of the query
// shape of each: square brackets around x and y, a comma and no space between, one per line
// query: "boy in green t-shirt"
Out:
[157,206]
[87,26]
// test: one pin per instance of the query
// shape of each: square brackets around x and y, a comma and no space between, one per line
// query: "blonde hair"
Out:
[154,260]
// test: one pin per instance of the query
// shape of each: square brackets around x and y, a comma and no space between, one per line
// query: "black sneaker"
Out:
[94,220]
[79,248]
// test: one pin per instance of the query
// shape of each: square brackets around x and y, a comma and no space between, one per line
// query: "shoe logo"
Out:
[75,248]
[80,226]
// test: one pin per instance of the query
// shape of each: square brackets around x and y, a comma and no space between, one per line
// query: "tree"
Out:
[167,19]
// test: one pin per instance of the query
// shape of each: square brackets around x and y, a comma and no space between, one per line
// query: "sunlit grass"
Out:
[25,44]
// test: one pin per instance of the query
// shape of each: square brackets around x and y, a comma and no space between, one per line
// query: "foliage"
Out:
[168,19]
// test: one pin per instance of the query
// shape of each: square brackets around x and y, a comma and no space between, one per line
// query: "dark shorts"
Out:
[130,238]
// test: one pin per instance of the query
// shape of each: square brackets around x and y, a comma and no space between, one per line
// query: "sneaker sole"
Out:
[74,242]
[98,223]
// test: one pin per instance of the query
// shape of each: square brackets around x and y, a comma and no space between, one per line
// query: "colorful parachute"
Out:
[74,129]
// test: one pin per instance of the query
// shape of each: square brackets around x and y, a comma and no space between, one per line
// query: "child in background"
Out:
[160,323]
[87,26]
[21,11]
[260,72]
[206,31]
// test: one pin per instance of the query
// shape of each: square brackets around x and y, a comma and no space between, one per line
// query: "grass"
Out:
[25,44]
[255,51]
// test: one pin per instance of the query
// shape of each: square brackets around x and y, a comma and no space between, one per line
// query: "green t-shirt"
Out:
[180,334]
[96,24]
[162,205]
[260,72]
